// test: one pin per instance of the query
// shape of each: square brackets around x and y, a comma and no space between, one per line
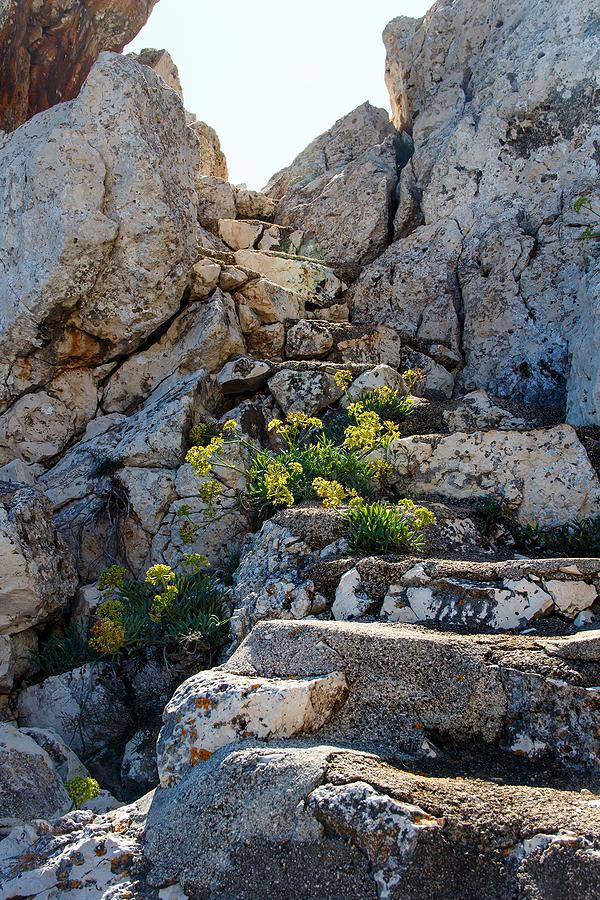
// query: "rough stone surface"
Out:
[339,190]
[93,854]
[309,279]
[38,572]
[97,240]
[583,386]
[502,106]
[30,786]
[85,707]
[215,708]
[243,374]
[49,47]
[213,162]
[544,475]
[308,392]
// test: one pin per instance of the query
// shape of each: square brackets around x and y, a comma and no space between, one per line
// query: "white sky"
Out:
[270,76]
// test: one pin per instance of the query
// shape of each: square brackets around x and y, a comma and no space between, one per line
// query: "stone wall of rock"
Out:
[49,47]
[503,116]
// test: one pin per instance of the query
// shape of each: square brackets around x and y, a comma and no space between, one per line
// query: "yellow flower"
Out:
[199,458]
[162,601]
[420,515]
[196,562]
[80,790]
[332,493]
[106,636]
[413,377]
[277,479]
[230,425]
[160,574]
[113,610]
[343,378]
[210,491]
[113,577]
[296,425]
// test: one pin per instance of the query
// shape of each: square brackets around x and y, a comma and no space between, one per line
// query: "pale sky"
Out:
[270,76]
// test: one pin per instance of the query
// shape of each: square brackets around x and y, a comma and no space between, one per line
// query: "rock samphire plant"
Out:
[344,468]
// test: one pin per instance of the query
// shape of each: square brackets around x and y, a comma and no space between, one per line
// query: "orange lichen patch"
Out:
[100,850]
[506,852]
[74,885]
[255,687]
[199,755]
[119,863]
[519,753]
[249,734]
[203,703]
[419,725]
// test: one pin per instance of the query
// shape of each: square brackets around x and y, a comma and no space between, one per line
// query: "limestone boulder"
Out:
[48,51]
[583,385]
[98,234]
[544,475]
[38,571]
[239,234]
[85,707]
[502,109]
[213,163]
[162,63]
[216,200]
[477,411]
[243,375]
[213,709]
[308,279]
[253,204]
[203,336]
[308,391]
[30,786]
[339,190]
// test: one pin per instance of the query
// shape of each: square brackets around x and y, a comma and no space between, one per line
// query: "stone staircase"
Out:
[395,727]
[392,727]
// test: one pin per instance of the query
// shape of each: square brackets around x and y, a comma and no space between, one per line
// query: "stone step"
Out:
[341,824]
[394,690]
[491,596]
[333,822]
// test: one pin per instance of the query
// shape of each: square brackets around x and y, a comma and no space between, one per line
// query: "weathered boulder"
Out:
[49,47]
[92,854]
[216,708]
[203,336]
[243,374]
[38,571]
[98,234]
[502,107]
[85,707]
[311,280]
[307,391]
[544,475]
[216,200]
[162,63]
[339,190]
[212,159]
[30,786]
[66,763]
[476,411]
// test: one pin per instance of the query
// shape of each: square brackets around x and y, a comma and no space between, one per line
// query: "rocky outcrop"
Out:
[502,111]
[544,476]
[49,47]
[38,573]
[97,242]
[339,191]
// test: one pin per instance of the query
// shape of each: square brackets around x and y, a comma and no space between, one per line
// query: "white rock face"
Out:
[477,412]
[216,708]
[545,475]
[339,189]
[85,707]
[351,602]
[380,376]
[239,235]
[30,787]
[310,280]
[37,570]
[571,597]
[205,335]
[308,392]
[98,232]
[386,830]
[502,106]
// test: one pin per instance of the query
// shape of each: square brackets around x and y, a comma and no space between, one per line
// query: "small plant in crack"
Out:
[592,230]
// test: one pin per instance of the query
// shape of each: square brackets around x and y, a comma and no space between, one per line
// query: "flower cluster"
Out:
[162,578]
[412,377]
[332,493]
[107,636]
[368,431]
[420,515]
[343,379]
[277,479]
[200,458]
[113,577]
[80,790]
[296,425]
